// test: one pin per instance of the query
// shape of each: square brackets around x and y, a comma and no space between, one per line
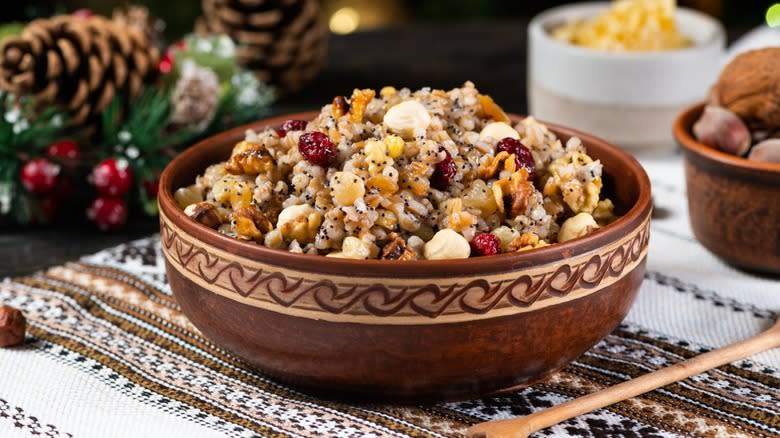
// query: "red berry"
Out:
[523,156]
[485,244]
[152,187]
[444,171]
[291,125]
[180,45]
[109,213]
[64,149]
[64,189]
[112,177]
[166,63]
[47,209]
[83,13]
[39,175]
[317,148]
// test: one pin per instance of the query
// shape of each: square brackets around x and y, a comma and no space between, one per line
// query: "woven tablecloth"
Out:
[109,354]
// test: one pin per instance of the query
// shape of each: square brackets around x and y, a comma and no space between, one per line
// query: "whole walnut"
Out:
[749,86]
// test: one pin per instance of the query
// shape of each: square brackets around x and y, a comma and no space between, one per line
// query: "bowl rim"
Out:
[682,130]
[536,27]
[632,219]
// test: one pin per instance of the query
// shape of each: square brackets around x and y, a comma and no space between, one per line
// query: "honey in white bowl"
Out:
[627,26]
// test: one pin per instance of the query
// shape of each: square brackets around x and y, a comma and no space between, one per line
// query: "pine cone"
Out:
[140,18]
[284,43]
[195,97]
[78,63]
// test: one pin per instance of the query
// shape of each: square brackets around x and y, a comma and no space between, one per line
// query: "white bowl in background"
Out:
[631,99]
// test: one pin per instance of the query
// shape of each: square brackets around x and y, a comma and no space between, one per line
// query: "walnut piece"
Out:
[12,326]
[512,194]
[251,223]
[205,213]
[249,159]
[340,106]
[359,102]
[490,167]
[750,87]
[397,249]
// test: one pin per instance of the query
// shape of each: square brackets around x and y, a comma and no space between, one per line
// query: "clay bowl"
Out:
[733,203]
[406,331]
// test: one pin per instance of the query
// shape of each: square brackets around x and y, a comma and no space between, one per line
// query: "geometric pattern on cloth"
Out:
[20,421]
[113,317]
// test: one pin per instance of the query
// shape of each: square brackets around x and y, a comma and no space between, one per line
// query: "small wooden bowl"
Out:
[406,331]
[733,203]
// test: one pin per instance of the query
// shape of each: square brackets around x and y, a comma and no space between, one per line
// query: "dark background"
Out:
[180,14]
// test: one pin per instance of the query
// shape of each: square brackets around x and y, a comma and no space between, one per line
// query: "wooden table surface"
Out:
[441,55]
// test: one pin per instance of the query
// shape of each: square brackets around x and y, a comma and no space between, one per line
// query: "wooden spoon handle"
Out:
[521,427]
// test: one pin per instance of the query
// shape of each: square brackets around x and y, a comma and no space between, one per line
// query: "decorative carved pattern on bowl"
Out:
[399,300]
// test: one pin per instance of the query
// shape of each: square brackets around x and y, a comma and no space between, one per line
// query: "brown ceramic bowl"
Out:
[406,330]
[733,203]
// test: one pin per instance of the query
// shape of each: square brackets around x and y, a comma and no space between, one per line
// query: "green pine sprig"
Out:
[24,132]
[243,100]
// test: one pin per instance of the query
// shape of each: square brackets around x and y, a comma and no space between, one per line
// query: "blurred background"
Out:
[347,16]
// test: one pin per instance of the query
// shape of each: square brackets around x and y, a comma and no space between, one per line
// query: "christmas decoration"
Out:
[24,134]
[108,212]
[195,96]
[112,177]
[64,149]
[79,63]
[284,43]
[39,175]
[90,113]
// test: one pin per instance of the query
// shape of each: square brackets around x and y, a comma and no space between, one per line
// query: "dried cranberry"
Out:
[485,244]
[291,125]
[523,156]
[444,172]
[317,148]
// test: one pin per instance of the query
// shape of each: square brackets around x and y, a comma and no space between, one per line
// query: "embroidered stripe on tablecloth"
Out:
[112,316]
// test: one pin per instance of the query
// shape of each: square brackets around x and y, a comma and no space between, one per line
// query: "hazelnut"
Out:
[498,131]
[205,213]
[356,248]
[299,222]
[767,151]
[722,129]
[12,326]
[577,226]
[407,118]
[447,244]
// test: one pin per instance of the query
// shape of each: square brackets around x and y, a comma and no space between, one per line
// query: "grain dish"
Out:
[403,175]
